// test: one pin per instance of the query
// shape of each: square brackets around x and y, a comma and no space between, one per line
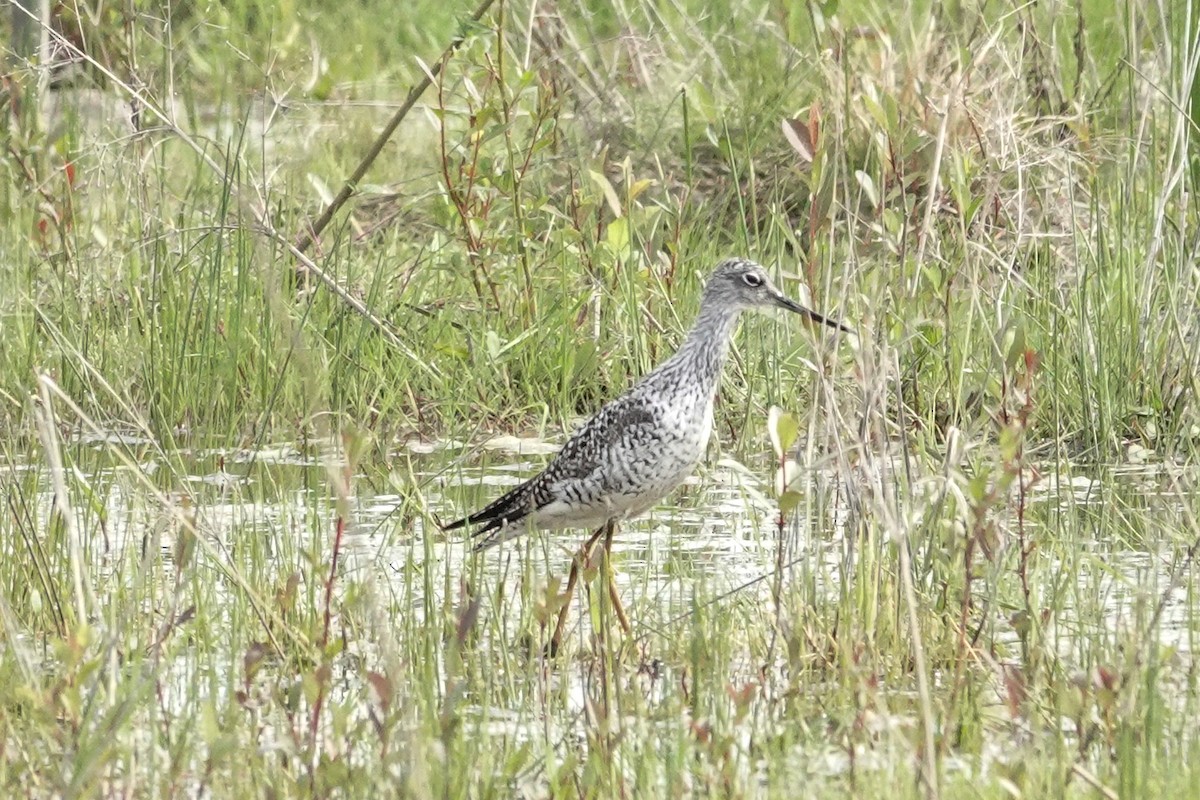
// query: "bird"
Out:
[642,444]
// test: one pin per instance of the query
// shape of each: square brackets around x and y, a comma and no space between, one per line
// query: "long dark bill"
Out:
[791,305]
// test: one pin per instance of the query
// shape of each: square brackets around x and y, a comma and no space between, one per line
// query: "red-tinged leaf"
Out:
[796,133]
[466,620]
[252,660]
[1015,693]
[382,688]
[742,697]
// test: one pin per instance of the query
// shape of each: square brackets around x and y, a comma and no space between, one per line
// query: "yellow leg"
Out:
[611,578]
[581,558]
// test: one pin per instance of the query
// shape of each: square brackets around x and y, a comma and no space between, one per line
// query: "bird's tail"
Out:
[498,518]
[495,536]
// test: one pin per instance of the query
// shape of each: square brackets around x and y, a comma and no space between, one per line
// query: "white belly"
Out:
[684,445]
[636,474]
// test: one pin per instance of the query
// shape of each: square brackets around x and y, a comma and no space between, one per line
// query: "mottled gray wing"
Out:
[581,473]
[591,458]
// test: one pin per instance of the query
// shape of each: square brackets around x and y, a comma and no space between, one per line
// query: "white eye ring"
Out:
[752,279]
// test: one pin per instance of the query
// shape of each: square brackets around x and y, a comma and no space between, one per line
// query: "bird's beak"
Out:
[783,301]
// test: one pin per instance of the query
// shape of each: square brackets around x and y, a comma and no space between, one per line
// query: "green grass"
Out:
[990,569]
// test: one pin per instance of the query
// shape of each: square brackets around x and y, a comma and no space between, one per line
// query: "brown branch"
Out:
[259,210]
[306,238]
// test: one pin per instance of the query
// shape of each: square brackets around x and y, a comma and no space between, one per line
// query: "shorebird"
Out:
[641,445]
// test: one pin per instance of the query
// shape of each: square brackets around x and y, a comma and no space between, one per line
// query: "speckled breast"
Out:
[663,463]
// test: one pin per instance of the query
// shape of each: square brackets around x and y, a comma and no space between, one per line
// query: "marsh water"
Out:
[715,545]
[720,530]
[718,537]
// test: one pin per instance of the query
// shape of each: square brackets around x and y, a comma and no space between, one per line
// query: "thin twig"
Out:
[43,408]
[306,238]
[323,672]
[928,762]
[1091,780]
[257,210]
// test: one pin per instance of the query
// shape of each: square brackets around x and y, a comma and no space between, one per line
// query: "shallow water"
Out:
[715,543]
[719,529]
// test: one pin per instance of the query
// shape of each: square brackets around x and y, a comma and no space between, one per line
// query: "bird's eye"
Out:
[752,279]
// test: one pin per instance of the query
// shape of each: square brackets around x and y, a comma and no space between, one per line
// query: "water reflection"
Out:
[715,535]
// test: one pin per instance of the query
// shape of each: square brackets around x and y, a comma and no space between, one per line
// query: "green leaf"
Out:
[492,343]
[610,194]
[868,187]
[875,110]
[616,236]
[782,427]
[640,186]
[789,500]
[1015,352]
[785,476]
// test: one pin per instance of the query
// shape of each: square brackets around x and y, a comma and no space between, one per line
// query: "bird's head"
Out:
[743,285]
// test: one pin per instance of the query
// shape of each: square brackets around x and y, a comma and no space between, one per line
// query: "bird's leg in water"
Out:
[582,557]
[611,579]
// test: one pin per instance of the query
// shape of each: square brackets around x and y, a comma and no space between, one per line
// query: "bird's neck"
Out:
[702,354]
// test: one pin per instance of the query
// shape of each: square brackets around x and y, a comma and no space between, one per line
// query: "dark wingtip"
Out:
[493,524]
[486,544]
[485,538]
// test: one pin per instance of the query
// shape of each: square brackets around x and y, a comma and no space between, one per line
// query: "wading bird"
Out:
[641,445]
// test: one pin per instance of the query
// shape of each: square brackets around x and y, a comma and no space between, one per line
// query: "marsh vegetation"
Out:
[229,432]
